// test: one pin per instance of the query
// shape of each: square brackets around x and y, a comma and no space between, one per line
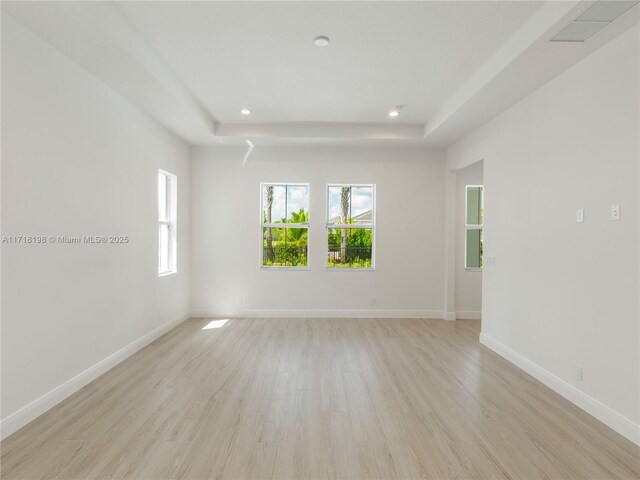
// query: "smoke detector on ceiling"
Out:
[596,17]
[321,41]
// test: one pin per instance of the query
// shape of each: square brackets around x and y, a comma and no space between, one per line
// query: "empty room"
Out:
[320,240]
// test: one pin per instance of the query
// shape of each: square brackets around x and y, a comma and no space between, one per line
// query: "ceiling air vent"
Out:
[599,15]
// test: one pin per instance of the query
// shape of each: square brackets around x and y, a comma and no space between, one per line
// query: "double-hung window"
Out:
[351,226]
[474,218]
[284,225]
[167,245]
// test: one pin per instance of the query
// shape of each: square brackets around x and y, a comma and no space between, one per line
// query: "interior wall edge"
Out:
[320,313]
[593,407]
[450,316]
[18,419]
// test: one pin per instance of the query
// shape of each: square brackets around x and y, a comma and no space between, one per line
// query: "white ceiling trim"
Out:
[128,38]
[98,37]
[539,63]
[321,130]
[110,47]
[536,27]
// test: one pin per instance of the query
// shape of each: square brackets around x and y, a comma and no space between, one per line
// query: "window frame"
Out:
[171,222]
[372,226]
[468,226]
[264,225]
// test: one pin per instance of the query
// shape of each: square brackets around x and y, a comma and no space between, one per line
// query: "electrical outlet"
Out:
[615,212]
[580,215]
[577,373]
[372,301]
[489,261]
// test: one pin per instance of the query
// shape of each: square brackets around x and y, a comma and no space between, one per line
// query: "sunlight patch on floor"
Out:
[215,324]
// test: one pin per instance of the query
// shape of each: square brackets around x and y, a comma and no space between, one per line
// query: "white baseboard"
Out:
[469,315]
[606,415]
[31,411]
[449,316]
[321,313]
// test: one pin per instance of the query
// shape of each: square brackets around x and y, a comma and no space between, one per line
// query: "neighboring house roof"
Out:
[364,217]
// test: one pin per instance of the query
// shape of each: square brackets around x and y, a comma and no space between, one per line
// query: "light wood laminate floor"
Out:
[317,398]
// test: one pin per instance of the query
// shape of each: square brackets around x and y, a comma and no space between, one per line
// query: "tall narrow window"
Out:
[350,226]
[284,225]
[167,245]
[474,218]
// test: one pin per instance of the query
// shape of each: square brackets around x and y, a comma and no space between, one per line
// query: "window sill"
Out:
[166,274]
[332,269]
[294,269]
[472,269]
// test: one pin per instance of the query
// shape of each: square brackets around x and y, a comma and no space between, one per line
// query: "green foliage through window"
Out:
[285,218]
[288,247]
[350,247]
[474,218]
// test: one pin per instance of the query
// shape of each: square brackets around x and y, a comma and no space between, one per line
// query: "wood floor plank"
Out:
[317,398]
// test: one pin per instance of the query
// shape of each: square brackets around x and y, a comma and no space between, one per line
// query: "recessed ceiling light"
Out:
[396,110]
[321,41]
[245,111]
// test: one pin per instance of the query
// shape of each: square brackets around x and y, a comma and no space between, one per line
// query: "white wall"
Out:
[77,159]
[226,235]
[565,294]
[468,287]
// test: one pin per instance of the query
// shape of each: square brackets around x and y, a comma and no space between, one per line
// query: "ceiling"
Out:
[194,65]
[381,54]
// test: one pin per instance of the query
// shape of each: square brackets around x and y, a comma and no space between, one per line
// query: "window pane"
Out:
[273,201]
[162,197]
[163,249]
[297,203]
[167,218]
[349,247]
[474,248]
[350,204]
[284,247]
[474,206]
[285,203]
[362,204]
[334,213]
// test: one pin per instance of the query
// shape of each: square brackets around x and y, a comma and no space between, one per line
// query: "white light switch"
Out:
[615,212]
[580,215]
[489,261]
